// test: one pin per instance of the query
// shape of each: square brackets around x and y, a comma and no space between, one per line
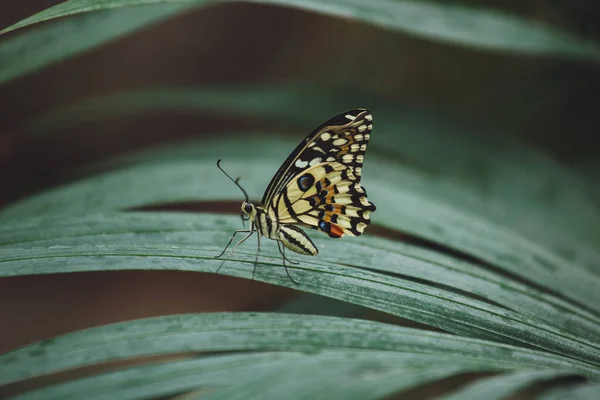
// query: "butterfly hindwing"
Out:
[343,138]
[326,197]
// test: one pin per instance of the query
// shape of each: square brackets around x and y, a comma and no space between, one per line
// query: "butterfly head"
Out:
[248,211]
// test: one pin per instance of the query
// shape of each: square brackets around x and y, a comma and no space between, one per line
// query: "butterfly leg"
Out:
[283,254]
[256,259]
[285,258]
[249,231]
[231,240]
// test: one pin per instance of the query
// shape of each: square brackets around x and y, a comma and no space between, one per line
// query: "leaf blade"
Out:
[50,44]
[186,242]
[500,387]
[260,332]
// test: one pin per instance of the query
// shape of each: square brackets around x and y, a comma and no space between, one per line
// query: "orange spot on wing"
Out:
[346,147]
[336,231]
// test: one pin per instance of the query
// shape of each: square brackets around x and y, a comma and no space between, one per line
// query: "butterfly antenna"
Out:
[236,181]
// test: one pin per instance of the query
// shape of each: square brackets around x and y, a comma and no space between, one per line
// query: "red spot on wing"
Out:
[336,231]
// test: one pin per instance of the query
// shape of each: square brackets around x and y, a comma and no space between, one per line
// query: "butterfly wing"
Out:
[319,184]
[346,134]
[326,197]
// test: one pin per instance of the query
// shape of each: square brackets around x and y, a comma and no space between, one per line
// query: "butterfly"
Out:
[317,187]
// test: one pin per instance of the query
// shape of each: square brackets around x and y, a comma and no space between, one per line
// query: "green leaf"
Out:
[575,392]
[125,241]
[92,23]
[360,374]
[319,305]
[234,332]
[167,378]
[54,42]
[367,377]
[501,387]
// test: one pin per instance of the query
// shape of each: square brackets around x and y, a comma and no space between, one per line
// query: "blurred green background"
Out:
[548,101]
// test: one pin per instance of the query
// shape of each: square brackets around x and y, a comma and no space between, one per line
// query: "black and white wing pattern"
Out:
[318,186]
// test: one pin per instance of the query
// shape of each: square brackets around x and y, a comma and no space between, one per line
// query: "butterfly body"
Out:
[317,187]
[267,225]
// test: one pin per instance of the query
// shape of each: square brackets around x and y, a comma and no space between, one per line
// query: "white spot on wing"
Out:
[367,136]
[347,158]
[339,142]
[362,128]
[359,158]
[343,200]
[369,117]
[301,164]
[329,159]
[358,137]
[325,136]
[315,161]
[350,117]
[351,212]
[344,223]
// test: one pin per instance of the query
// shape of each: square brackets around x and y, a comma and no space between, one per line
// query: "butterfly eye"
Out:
[248,208]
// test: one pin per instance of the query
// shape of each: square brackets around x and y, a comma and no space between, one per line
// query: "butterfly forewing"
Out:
[319,184]
[343,138]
